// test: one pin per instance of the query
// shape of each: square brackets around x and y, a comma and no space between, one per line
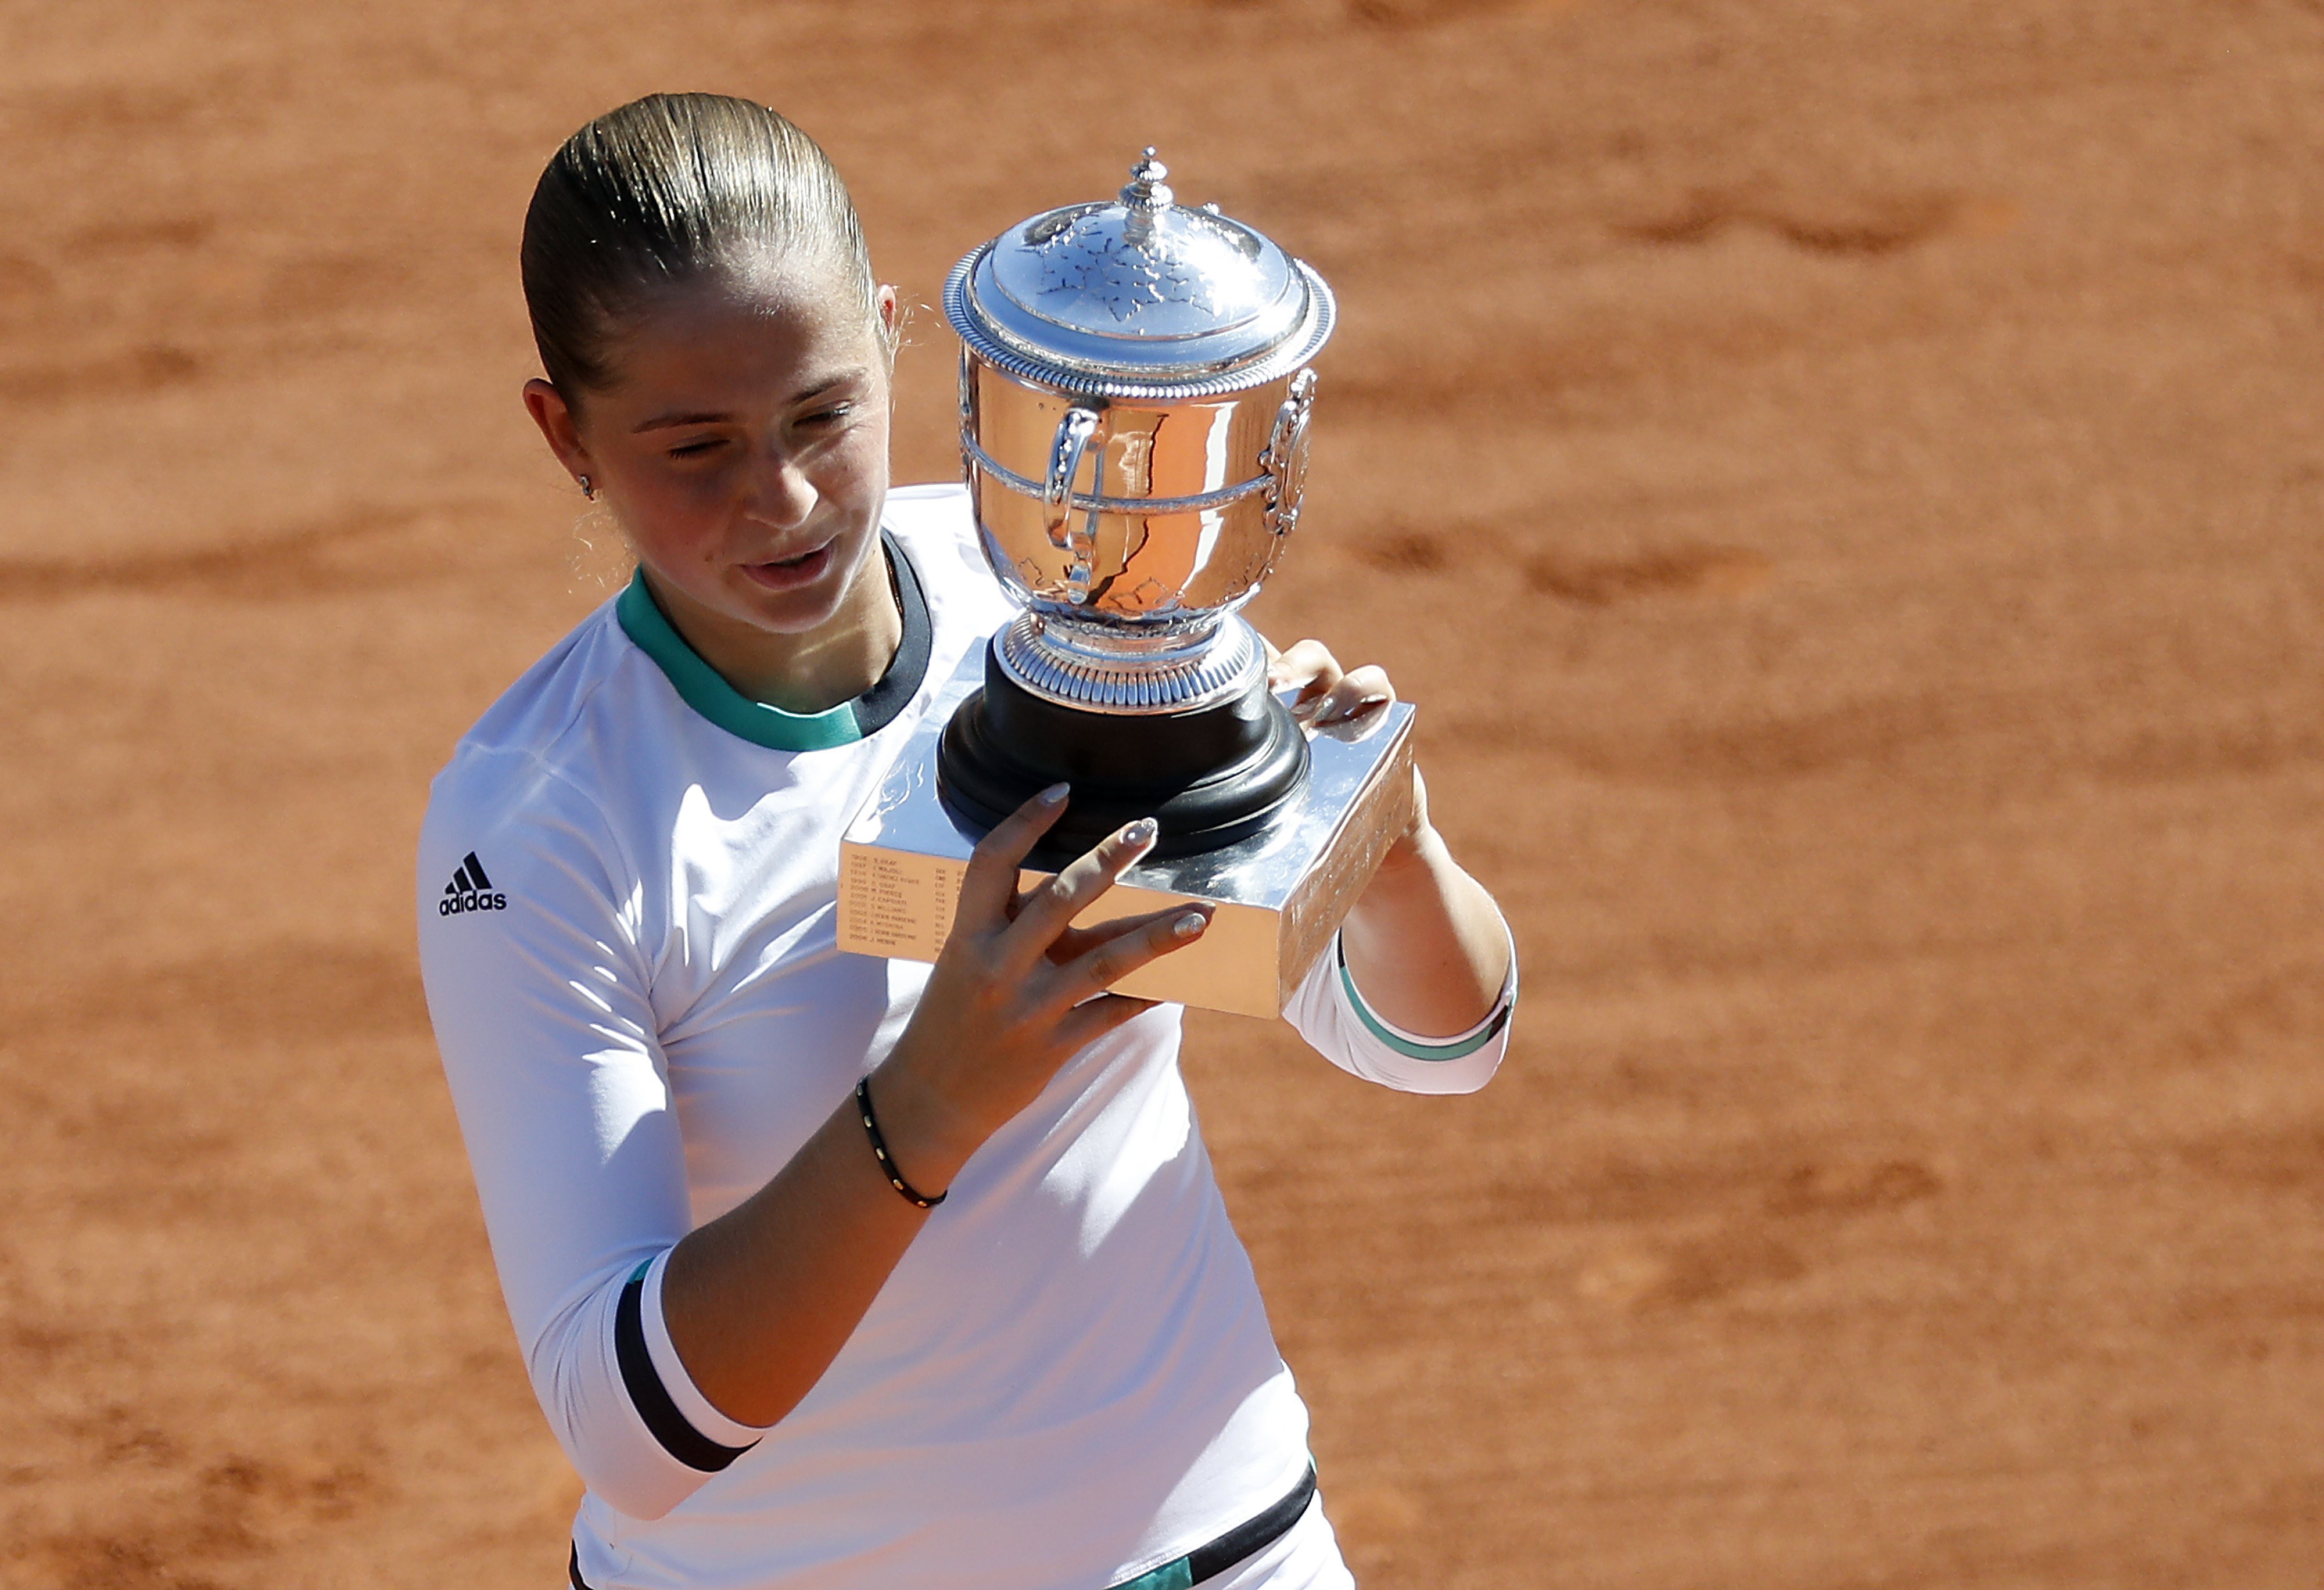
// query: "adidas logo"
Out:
[469,890]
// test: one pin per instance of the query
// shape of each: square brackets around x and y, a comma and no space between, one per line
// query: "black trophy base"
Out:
[1208,778]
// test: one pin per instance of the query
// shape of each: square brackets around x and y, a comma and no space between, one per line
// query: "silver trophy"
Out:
[1134,402]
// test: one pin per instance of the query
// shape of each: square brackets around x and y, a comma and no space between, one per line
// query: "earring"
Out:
[587,490]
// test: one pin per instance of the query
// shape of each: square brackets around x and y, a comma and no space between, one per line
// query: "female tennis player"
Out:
[831,1271]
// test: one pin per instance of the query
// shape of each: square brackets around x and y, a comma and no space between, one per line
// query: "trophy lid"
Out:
[1141,296]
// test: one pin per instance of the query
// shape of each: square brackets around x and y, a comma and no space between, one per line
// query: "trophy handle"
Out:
[1074,433]
[1286,457]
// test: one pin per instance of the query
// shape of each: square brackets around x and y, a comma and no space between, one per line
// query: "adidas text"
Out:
[453,904]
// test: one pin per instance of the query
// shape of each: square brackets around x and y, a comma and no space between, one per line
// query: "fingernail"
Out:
[1054,793]
[1140,832]
[1188,925]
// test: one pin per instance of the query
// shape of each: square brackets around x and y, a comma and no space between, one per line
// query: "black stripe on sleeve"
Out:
[680,1439]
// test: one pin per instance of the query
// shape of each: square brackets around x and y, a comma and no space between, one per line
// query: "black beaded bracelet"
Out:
[879,1148]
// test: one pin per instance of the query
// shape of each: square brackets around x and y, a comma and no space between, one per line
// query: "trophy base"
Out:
[1208,778]
[1279,892]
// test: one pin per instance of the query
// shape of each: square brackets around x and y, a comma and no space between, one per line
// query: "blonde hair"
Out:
[664,191]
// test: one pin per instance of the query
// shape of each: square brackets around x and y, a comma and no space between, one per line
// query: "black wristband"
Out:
[880,1149]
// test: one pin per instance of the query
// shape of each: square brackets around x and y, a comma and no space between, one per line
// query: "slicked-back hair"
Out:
[665,192]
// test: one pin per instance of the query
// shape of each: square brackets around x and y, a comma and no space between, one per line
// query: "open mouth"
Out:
[788,573]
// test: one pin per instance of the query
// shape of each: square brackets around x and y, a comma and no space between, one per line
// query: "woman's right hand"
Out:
[1017,991]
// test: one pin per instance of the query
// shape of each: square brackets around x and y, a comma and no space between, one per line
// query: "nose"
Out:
[781,495]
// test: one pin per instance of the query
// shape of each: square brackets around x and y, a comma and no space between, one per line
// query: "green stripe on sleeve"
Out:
[1466,1044]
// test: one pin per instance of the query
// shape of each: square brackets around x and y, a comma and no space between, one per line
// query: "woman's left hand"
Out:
[1423,942]
[1333,696]
[1328,693]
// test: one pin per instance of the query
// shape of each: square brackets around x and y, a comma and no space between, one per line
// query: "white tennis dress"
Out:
[627,883]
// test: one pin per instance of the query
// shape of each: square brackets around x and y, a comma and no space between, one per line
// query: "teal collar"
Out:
[706,690]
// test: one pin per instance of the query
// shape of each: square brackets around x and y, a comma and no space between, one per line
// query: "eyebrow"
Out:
[719,417]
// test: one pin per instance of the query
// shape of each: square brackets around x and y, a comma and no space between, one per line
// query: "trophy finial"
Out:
[1147,190]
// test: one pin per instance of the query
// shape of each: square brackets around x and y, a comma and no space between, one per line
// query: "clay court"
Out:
[1841,481]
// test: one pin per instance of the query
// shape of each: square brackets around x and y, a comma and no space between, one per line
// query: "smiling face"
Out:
[743,448]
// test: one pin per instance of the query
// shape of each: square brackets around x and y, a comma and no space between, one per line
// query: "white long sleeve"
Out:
[540,1002]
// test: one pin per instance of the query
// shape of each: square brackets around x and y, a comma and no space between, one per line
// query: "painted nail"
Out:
[1054,793]
[1188,925]
[1140,832]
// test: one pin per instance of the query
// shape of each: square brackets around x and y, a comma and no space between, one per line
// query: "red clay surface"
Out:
[1842,480]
